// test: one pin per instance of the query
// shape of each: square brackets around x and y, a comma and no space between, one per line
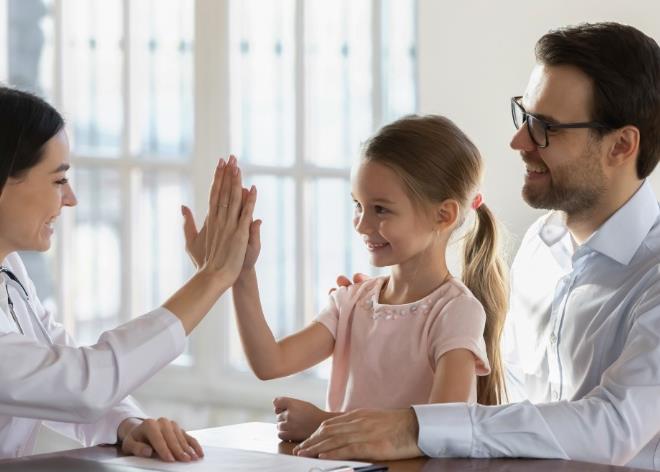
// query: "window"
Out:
[154,91]
[310,81]
[121,73]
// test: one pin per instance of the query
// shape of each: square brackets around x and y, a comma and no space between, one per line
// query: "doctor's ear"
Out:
[446,213]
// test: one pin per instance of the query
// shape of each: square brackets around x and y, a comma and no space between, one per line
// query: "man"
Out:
[582,341]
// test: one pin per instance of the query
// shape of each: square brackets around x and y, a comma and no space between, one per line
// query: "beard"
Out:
[574,188]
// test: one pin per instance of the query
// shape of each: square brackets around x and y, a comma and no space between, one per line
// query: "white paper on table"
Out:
[250,436]
[227,459]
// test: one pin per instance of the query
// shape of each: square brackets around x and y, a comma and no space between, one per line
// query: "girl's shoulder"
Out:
[459,288]
[457,297]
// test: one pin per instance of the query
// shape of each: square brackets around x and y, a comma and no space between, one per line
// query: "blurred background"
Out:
[155,91]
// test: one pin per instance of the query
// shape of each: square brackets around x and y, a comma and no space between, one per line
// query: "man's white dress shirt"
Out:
[581,349]
[78,391]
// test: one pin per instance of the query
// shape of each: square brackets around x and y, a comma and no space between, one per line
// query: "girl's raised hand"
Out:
[195,240]
[254,241]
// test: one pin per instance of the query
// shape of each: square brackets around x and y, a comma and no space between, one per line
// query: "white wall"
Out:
[475,54]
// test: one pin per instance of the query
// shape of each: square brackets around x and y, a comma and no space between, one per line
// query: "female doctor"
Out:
[82,391]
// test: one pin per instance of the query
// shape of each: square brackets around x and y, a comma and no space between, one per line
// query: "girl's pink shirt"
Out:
[385,355]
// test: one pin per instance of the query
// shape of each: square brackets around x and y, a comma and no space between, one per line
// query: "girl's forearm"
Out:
[263,352]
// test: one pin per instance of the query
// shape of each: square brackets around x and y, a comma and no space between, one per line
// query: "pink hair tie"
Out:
[477,202]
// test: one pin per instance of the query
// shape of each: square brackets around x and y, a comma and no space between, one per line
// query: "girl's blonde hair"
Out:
[436,162]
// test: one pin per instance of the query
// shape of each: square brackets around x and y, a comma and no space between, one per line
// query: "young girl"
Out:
[415,336]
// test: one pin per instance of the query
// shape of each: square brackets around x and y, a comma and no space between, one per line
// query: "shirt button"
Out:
[553,339]
[555,395]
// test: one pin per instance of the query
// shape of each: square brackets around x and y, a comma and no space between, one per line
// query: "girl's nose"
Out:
[361,224]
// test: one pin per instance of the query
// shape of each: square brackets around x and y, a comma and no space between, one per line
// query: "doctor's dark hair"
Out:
[26,123]
[436,161]
[624,67]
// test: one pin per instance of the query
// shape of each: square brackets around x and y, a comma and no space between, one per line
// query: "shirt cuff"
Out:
[445,430]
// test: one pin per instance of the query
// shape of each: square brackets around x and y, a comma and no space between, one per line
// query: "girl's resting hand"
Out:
[297,419]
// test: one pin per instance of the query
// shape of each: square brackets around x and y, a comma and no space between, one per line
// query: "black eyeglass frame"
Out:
[547,126]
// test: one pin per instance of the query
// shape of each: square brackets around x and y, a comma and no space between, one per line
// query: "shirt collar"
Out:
[621,235]
[637,216]
[554,228]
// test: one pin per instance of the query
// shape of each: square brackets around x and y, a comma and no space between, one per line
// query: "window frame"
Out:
[210,379]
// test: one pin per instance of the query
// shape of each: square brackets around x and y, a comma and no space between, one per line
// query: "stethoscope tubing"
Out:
[13,281]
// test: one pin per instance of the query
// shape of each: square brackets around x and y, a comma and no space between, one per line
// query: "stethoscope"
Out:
[14,282]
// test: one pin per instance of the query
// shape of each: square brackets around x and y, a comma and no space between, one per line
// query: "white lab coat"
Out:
[78,391]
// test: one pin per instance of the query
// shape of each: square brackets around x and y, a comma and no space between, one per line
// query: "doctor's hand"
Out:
[196,242]
[365,434]
[229,223]
[160,438]
[218,249]
[298,419]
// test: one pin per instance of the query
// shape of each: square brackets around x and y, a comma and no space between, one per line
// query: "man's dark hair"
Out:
[26,123]
[624,66]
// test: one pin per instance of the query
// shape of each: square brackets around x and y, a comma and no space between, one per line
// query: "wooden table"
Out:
[262,437]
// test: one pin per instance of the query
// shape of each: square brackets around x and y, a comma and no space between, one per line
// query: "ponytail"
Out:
[484,274]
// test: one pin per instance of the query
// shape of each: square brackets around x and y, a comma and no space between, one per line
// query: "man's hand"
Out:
[365,434]
[297,419]
[343,281]
[164,437]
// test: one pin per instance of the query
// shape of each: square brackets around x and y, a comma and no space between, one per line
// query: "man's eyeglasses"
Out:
[538,128]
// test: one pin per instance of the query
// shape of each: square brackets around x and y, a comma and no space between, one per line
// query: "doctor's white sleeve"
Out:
[64,383]
[103,431]
[610,424]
